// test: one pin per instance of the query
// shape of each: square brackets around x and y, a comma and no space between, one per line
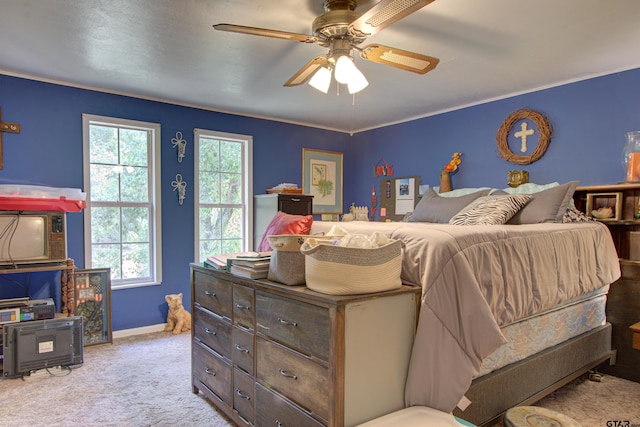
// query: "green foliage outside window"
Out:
[220,196]
[121,215]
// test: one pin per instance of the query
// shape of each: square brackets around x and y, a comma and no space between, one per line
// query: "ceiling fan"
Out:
[341,29]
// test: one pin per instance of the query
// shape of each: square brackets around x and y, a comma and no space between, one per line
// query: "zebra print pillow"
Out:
[490,210]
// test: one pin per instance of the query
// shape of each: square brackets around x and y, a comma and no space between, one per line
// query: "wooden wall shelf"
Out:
[623,302]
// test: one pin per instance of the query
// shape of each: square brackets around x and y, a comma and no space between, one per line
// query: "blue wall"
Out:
[48,151]
[589,119]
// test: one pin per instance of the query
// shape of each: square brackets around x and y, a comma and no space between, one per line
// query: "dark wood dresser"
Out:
[267,354]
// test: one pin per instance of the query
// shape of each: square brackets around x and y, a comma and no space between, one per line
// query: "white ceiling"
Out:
[168,50]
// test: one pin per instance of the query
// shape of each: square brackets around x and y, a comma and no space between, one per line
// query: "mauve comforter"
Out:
[476,279]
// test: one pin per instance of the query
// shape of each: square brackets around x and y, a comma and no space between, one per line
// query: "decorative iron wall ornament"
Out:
[181,187]
[181,144]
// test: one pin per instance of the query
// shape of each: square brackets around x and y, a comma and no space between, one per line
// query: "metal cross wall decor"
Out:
[6,127]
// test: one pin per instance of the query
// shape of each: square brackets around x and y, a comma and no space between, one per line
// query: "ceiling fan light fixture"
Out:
[357,82]
[342,29]
[345,68]
[321,80]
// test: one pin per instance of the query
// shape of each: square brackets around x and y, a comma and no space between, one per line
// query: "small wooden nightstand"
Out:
[636,335]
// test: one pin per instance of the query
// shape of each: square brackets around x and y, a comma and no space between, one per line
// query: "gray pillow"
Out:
[490,210]
[433,208]
[547,205]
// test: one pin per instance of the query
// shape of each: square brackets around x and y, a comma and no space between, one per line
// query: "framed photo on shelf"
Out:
[322,174]
[604,206]
[92,302]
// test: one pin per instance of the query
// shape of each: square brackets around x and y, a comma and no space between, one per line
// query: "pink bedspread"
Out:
[475,279]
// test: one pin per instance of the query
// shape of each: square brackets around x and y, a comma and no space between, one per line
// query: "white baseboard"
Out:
[139,331]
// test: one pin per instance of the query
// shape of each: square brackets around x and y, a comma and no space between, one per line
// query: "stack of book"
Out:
[218,262]
[252,265]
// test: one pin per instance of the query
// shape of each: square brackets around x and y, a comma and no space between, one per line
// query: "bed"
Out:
[492,300]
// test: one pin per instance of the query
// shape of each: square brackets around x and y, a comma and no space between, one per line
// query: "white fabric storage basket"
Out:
[339,270]
[287,262]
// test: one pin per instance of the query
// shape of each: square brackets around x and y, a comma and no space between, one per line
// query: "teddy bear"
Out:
[178,319]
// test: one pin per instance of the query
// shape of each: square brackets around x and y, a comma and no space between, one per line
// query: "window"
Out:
[223,193]
[122,181]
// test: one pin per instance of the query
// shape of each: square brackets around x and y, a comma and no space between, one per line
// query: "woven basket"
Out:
[287,263]
[341,270]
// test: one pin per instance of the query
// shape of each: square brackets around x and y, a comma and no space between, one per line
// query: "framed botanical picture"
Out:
[322,178]
[92,302]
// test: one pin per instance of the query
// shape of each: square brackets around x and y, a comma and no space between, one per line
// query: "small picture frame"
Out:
[92,302]
[604,206]
[322,175]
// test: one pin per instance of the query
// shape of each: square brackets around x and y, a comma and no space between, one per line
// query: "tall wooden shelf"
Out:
[66,280]
[623,303]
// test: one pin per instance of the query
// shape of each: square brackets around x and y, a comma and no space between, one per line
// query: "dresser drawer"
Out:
[295,204]
[273,410]
[242,350]
[244,312]
[293,375]
[243,394]
[212,293]
[212,371]
[212,330]
[303,327]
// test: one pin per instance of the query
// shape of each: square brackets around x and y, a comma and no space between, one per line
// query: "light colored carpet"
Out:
[597,404]
[145,380]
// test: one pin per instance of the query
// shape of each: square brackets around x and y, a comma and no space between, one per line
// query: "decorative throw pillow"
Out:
[490,210]
[283,223]
[546,206]
[529,188]
[434,208]
[460,191]
[574,215]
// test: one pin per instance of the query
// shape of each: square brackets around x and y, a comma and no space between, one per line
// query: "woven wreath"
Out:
[544,136]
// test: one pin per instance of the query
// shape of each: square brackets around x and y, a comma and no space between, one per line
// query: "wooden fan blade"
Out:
[264,32]
[403,59]
[383,14]
[304,74]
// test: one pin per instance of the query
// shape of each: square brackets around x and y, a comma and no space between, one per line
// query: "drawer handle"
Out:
[286,322]
[294,199]
[210,294]
[288,375]
[210,332]
[242,395]
[245,307]
[242,349]
[209,372]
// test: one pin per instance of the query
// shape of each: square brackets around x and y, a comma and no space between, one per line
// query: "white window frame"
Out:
[247,187]
[155,267]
